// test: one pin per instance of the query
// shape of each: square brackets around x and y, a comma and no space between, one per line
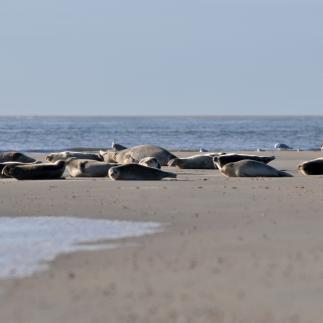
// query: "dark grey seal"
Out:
[15,156]
[138,172]
[135,154]
[312,167]
[231,158]
[35,171]
[251,168]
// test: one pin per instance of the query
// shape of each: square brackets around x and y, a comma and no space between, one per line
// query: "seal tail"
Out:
[169,174]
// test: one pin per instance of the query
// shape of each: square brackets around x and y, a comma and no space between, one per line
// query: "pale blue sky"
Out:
[161,57]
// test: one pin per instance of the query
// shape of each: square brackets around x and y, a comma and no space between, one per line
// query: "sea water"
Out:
[27,244]
[46,134]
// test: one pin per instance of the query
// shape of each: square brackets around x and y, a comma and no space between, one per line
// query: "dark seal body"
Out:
[138,172]
[312,167]
[232,158]
[16,157]
[35,171]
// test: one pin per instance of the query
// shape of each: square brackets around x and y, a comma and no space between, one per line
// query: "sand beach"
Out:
[240,250]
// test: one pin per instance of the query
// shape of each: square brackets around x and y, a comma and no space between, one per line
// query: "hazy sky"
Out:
[161,57]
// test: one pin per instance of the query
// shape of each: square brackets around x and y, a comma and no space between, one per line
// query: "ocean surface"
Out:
[44,134]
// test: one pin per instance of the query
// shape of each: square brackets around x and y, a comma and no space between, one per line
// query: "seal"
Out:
[87,168]
[15,156]
[150,162]
[231,158]
[280,146]
[138,172]
[64,155]
[194,162]
[311,167]
[117,147]
[135,154]
[250,168]
[35,171]
[2,165]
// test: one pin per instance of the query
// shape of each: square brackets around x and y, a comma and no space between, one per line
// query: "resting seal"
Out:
[231,158]
[15,156]
[135,154]
[150,162]
[138,172]
[312,167]
[64,155]
[35,171]
[250,168]
[194,162]
[2,166]
[87,168]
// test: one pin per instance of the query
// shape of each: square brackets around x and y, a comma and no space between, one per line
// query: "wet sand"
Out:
[242,250]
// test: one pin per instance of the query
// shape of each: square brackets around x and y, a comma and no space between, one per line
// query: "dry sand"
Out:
[235,250]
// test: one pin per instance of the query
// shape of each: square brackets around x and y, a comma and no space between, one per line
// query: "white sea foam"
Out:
[27,244]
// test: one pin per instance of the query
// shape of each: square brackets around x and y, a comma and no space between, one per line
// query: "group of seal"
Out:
[141,163]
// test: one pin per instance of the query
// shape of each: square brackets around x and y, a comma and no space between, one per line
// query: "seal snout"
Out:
[113,173]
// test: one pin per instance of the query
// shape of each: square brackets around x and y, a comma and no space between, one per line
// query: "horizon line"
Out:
[159,116]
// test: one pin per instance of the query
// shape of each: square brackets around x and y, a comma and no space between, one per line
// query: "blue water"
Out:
[184,133]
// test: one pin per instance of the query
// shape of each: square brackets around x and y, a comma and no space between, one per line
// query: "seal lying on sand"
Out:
[2,166]
[35,171]
[138,172]
[15,156]
[312,167]
[64,155]
[87,168]
[231,158]
[135,154]
[194,162]
[150,162]
[250,168]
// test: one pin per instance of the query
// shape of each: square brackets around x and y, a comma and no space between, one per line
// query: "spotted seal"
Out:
[135,154]
[64,155]
[87,168]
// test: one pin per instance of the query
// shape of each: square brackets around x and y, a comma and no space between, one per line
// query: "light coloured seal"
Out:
[135,154]
[87,168]
[138,172]
[150,162]
[250,168]
[311,167]
[35,171]
[64,155]
[231,158]
[194,162]
[15,156]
